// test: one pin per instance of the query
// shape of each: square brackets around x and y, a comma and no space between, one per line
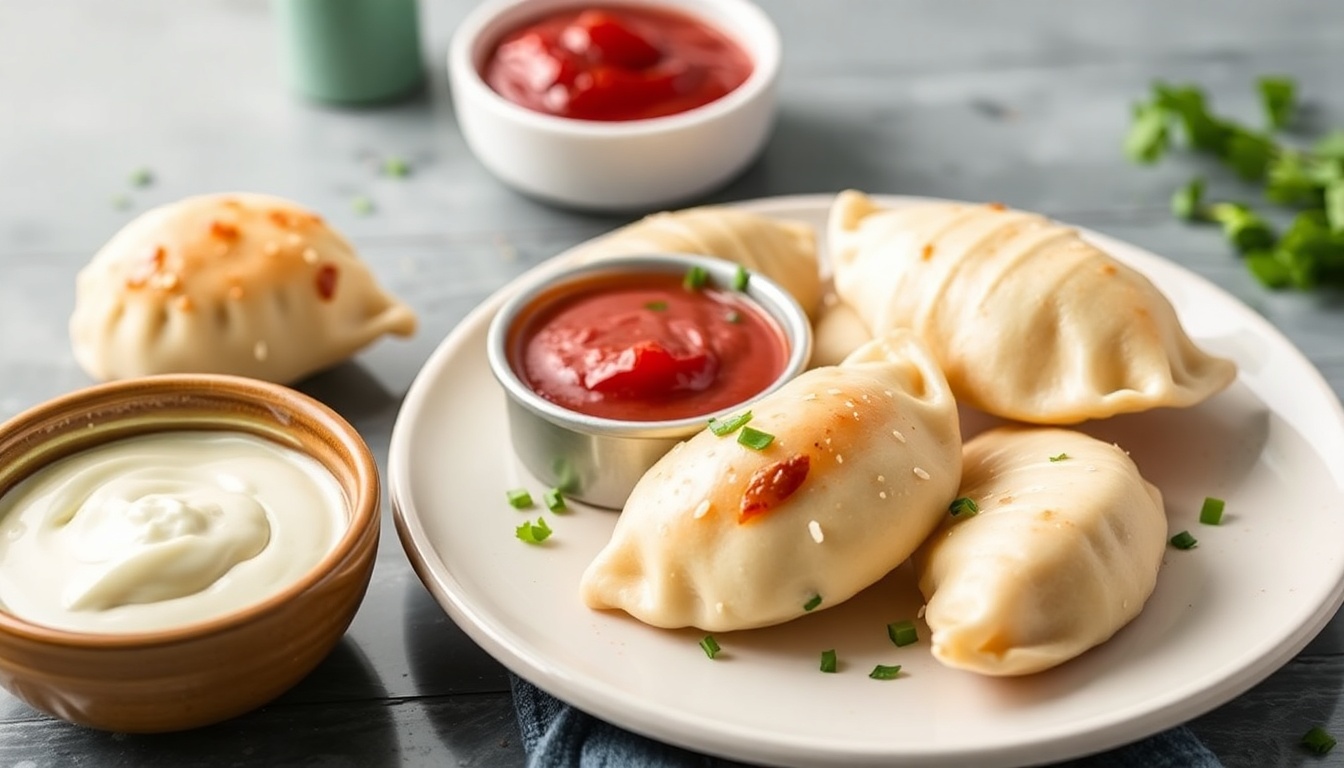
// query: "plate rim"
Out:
[608,702]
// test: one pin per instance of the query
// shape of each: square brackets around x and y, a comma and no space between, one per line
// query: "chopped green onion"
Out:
[1266,268]
[1245,229]
[656,306]
[695,279]
[554,500]
[755,439]
[828,662]
[142,177]
[813,603]
[1278,96]
[733,316]
[1334,205]
[396,167]
[121,202]
[1249,154]
[1212,511]
[710,646]
[728,426]
[362,205]
[1187,201]
[882,672]
[963,507]
[519,498]
[1148,137]
[1060,457]
[1318,740]
[1183,540]
[903,633]
[740,278]
[533,533]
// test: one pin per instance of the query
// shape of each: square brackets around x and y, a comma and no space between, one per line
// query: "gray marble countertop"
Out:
[1024,103]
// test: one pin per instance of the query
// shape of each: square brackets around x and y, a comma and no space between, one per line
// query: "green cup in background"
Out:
[350,51]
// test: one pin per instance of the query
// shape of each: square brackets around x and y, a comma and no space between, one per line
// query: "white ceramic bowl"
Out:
[628,165]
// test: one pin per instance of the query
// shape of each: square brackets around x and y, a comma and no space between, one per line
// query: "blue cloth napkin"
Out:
[556,735]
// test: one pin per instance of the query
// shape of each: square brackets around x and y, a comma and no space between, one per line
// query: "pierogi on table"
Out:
[243,284]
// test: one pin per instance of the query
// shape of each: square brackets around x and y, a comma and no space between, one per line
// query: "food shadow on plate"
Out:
[856,628]
[1214,443]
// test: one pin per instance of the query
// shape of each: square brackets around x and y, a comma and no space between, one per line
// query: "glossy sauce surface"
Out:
[615,63]
[644,347]
[162,530]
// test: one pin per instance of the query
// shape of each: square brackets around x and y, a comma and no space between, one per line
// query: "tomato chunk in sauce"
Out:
[615,63]
[644,347]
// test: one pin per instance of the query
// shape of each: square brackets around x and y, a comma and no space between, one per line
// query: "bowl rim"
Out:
[768,295]
[470,38]
[364,506]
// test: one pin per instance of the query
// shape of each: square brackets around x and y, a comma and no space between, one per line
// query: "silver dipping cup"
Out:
[597,460]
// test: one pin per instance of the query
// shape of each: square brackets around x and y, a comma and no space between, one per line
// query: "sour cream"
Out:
[162,530]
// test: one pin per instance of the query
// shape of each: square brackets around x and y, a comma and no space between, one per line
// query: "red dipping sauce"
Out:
[643,347]
[615,63]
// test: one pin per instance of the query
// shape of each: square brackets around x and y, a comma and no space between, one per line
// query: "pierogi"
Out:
[1028,320]
[244,284]
[865,459]
[784,251]
[1063,552]
[837,332]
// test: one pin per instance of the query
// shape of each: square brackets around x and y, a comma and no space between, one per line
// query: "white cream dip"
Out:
[165,529]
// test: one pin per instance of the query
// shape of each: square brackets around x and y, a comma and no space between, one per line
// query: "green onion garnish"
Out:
[740,278]
[1187,202]
[1060,457]
[963,507]
[362,205]
[710,646]
[519,498]
[828,661]
[553,499]
[733,316]
[657,306]
[813,603]
[1212,511]
[755,439]
[142,177]
[1183,540]
[533,533]
[395,167]
[695,279]
[1318,740]
[728,426]
[903,633]
[882,672]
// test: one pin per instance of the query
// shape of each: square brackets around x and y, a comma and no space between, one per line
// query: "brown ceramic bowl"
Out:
[211,670]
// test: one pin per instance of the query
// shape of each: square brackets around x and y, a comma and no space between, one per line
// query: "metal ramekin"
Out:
[596,460]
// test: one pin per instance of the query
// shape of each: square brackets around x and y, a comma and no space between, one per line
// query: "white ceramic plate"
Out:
[1224,616]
